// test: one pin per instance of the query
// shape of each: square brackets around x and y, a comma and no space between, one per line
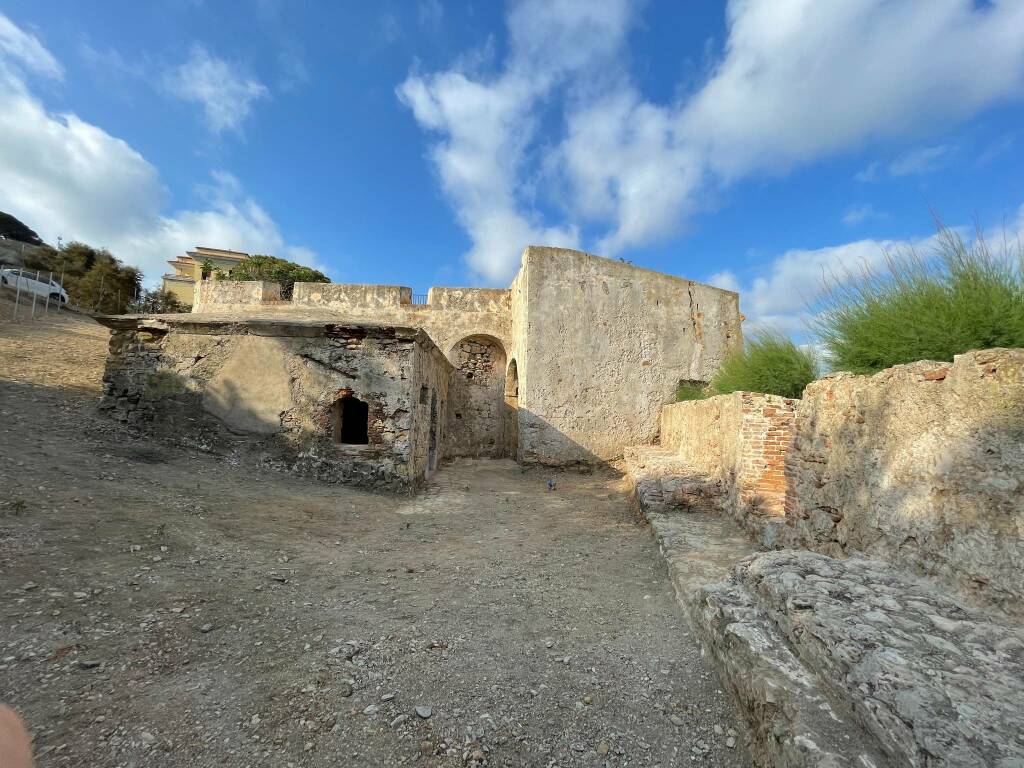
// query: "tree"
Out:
[273,269]
[94,279]
[12,229]
[157,301]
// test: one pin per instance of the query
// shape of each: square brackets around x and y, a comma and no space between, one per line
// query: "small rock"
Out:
[206,628]
[399,720]
[730,742]
[719,730]
[88,664]
[677,720]
[371,710]
[424,712]
[147,738]
[387,697]
[602,748]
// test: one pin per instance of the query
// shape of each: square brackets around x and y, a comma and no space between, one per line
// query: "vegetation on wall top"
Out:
[768,363]
[918,308]
[273,269]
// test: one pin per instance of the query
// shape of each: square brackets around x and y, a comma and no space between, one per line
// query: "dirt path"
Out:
[164,608]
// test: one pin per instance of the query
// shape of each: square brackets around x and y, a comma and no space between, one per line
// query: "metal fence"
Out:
[419,298]
[24,307]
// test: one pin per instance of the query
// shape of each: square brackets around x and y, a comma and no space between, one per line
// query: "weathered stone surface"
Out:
[224,295]
[730,451]
[476,416]
[791,720]
[273,389]
[663,482]
[252,389]
[934,683]
[601,345]
[922,465]
[598,346]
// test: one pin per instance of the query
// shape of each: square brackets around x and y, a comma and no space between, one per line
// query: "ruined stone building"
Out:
[359,383]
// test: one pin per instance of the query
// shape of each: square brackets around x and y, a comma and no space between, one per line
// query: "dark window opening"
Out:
[424,395]
[351,420]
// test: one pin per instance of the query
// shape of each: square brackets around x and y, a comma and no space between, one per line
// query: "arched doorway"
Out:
[476,402]
[512,410]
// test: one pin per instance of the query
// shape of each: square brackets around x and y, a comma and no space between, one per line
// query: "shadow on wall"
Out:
[922,465]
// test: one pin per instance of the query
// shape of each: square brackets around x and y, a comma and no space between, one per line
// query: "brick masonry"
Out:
[738,444]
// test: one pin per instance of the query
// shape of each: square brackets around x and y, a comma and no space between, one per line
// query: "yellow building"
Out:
[188,270]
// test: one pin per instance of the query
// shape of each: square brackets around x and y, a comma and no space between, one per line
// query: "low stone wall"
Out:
[921,464]
[224,295]
[738,442]
[343,296]
[470,299]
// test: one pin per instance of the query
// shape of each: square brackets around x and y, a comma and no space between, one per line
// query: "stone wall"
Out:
[476,412]
[342,296]
[736,444]
[604,345]
[921,464]
[599,345]
[227,295]
[271,389]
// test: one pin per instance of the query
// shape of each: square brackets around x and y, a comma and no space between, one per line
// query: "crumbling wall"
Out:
[921,464]
[450,314]
[737,445]
[269,388]
[225,295]
[606,344]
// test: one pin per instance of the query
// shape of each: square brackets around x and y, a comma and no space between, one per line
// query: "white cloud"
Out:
[921,160]
[487,126]
[785,295]
[64,176]
[797,81]
[24,49]
[857,214]
[225,93]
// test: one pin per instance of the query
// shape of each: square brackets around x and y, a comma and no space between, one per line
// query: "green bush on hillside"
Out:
[917,308]
[768,363]
[94,279]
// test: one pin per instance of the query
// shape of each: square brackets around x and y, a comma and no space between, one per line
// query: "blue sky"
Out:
[755,145]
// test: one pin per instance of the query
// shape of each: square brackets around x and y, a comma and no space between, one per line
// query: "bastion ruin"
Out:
[360,384]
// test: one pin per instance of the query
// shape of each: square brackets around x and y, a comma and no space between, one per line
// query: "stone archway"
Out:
[476,399]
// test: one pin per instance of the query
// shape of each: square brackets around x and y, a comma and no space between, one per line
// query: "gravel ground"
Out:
[161,607]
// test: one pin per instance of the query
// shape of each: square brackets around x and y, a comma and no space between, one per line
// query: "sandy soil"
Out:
[161,607]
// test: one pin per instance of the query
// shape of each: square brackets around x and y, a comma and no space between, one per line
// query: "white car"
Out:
[31,282]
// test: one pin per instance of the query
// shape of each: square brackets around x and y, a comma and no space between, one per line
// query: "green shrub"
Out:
[274,270]
[691,391]
[918,308]
[768,363]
